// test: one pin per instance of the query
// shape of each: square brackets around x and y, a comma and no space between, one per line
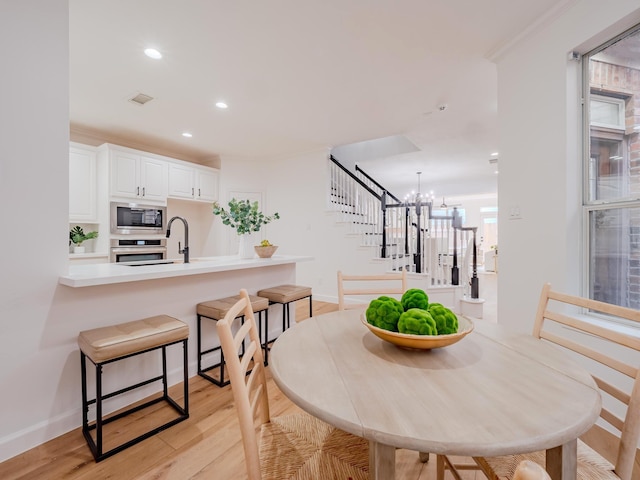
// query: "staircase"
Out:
[407,235]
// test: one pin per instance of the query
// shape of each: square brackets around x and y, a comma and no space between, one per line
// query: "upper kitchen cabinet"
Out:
[193,182]
[82,184]
[136,176]
[207,184]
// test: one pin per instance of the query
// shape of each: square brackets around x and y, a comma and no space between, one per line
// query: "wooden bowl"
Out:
[421,342]
[265,252]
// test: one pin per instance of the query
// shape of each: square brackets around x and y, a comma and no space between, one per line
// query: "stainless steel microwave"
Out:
[137,219]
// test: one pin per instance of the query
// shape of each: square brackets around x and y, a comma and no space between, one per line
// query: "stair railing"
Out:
[410,235]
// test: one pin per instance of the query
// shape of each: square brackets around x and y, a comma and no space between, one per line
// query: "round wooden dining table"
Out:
[495,392]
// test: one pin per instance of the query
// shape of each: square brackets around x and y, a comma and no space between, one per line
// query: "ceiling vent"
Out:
[493,161]
[140,99]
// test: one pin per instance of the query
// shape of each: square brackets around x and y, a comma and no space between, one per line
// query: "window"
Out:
[612,169]
[606,111]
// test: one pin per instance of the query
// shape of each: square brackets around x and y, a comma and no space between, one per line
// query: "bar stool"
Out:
[216,310]
[109,344]
[285,295]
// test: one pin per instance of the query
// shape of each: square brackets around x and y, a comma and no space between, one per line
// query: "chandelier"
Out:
[417,197]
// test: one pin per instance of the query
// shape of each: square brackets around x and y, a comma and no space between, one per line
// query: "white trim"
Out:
[548,17]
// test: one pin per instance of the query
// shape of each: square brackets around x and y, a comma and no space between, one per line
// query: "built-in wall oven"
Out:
[137,219]
[140,251]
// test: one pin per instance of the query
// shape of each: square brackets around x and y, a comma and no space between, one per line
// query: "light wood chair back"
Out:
[369,286]
[296,446]
[249,391]
[528,470]
[578,333]
[603,337]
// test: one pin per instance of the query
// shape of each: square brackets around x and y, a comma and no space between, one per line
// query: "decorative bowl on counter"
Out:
[421,342]
[265,252]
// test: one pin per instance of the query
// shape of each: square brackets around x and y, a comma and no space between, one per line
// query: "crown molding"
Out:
[500,50]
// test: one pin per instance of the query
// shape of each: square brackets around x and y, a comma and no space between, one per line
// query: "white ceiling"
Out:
[301,75]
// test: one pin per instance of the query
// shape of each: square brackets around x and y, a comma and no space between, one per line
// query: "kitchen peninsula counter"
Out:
[113,273]
[98,295]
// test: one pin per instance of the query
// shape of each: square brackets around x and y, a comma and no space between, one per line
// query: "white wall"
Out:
[198,215]
[540,162]
[295,186]
[34,199]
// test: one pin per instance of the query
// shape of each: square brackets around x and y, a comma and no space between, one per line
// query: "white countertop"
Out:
[109,273]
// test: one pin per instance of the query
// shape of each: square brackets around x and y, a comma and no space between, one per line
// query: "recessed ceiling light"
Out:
[152,53]
[494,154]
[187,134]
[221,105]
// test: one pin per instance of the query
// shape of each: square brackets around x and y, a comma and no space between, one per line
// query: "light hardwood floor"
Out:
[206,446]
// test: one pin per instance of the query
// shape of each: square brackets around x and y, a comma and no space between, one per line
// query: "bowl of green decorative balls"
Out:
[414,323]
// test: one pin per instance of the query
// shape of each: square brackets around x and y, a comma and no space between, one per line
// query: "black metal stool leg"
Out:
[199,343]
[185,368]
[99,410]
[266,337]
[284,316]
[165,388]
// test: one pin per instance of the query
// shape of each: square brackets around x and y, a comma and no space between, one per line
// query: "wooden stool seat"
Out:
[116,342]
[106,343]
[285,295]
[217,310]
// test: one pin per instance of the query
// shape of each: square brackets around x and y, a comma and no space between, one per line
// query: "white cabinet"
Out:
[490,261]
[206,184]
[181,181]
[137,176]
[193,182]
[82,184]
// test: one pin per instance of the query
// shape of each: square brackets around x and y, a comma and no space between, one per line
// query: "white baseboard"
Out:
[39,433]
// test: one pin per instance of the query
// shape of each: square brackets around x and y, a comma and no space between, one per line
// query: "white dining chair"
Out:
[604,344]
[368,287]
[298,446]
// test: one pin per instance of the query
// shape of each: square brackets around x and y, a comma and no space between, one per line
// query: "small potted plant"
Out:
[266,249]
[245,218]
[77,236]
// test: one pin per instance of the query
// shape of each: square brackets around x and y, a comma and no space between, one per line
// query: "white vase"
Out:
[245,250]
[78,249]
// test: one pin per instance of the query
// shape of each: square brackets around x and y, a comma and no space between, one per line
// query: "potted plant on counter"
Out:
[245,218]
[77,236]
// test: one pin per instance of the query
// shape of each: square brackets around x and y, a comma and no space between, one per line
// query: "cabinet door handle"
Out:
[138,191]
[192,191]
[199,194]
[144,189]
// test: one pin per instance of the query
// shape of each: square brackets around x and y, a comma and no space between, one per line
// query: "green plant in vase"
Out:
[77,236]
[245,218]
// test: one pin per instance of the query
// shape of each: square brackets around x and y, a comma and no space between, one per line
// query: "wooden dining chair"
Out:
[528,470]
[604,338]
[369,286]
[298,446]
